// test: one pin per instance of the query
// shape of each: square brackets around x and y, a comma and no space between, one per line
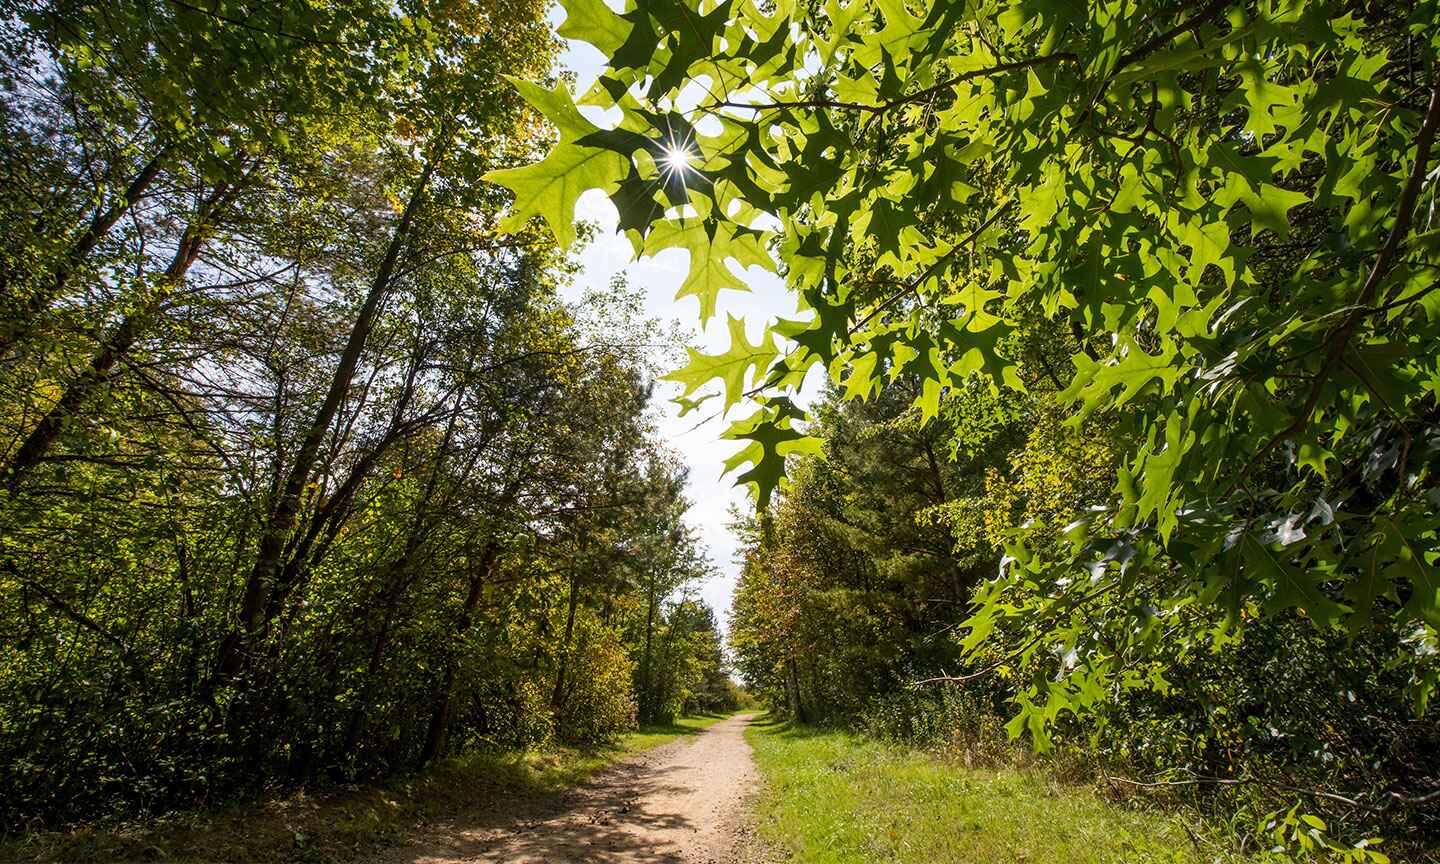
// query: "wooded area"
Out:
[1126,317]
[310,473]
[1131,315]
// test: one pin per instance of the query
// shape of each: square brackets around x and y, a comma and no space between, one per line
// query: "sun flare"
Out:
[677,158]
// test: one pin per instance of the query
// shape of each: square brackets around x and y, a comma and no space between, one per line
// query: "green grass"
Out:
[336,825]
[654,736]
[835,798]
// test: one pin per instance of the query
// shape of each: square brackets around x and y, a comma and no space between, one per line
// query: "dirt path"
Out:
[681,803]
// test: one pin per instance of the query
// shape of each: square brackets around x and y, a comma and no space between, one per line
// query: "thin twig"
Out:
[1224,781]
[137,671]
[932,269]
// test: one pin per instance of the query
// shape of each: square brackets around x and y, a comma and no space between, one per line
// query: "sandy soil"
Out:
[681,803]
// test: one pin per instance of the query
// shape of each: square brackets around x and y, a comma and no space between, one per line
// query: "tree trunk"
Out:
[24,320]
[395,582]
[557,699]
[355,721]
[281,522]
[663,691]
[440,711]
[114,347]
[647,698]
[792,690]
[937,479]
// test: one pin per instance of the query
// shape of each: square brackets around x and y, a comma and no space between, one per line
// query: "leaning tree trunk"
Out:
[396,581]
[440,710]
[24,320]
[115,346]
[281,521]
[489,559]
[356,721]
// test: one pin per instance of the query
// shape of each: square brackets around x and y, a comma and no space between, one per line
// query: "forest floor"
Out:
[711,790]
[680,803]
[457,802]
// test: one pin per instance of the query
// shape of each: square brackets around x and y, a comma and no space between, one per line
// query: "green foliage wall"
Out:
[309,473]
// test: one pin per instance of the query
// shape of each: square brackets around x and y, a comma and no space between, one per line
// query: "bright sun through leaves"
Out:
[677,158]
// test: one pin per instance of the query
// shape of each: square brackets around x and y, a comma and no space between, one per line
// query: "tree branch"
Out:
[137,671]
[1224,781]
[1339,338]
[919,95]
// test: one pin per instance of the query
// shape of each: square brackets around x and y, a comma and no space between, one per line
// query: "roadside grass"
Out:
[836,798]
[653,736]
[335,825]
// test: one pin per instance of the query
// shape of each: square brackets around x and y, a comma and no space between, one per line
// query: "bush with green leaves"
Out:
[600,701]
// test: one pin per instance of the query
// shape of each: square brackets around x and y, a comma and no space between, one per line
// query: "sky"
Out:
[699,446]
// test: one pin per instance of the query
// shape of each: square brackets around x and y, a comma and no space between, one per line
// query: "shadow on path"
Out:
[681,803]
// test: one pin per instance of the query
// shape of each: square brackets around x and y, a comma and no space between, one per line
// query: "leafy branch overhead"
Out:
[1224,209]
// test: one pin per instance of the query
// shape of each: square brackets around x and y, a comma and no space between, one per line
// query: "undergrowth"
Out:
[335,825]
[839,797]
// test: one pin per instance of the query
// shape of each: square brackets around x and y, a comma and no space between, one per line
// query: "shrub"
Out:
[598,701]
